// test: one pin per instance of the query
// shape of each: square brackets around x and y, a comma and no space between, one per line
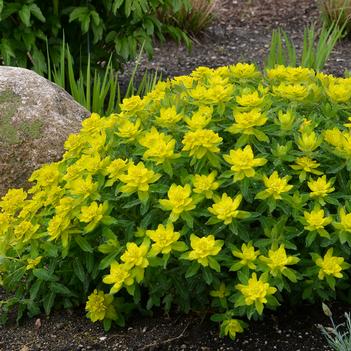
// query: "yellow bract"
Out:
[306,164]
[163,238]
[33,262]
[242,162]
[24,231]
[135,256]
[115,169]
[294,92]
[277,260]
[132,104]
[339,92]
[320,187]
[200,119]
[138,178]
[246,121]
[83,187]
[205,184]
[286,120]
[330,265]
[203,248]
[200,142]
[99,306]
[231,327]
[290,74]
[13,200]
[92,215]
[275,186]
[160,147]
[308,142]
[251,99]
[316,220]
[345,221]
[129,130]
[247,255]
[168,117]
[119,276]
[211,95]
[179,200]
[244,71]
[226,208]
[256,291]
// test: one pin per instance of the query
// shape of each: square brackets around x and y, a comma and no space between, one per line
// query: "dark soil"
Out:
[241,32]
[289,329]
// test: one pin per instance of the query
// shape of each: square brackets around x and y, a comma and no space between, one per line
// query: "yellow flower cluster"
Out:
[229,180]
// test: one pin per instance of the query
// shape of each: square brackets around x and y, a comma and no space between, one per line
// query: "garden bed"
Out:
[288,329]
[242,32]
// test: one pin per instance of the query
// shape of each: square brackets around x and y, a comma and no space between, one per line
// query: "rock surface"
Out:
[36,117]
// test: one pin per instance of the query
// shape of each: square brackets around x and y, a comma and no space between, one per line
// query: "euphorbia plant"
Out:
[227,190]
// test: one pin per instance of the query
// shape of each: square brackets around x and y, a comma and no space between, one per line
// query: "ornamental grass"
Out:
[225,191]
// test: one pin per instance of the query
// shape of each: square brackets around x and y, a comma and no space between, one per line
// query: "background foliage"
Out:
[91,27]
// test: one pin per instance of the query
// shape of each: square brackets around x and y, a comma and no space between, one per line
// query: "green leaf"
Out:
[116,5]
[35,10]
[106,261]
[188,218]
[310,238]
[289,273]
[89,262]
[107,324]
[48,302]
[217,317]
[24,14]
[214,264]
[83,244]
[192,270]
[60,289]
[207,275]
[127,7]
[132,203]
[78,13]
[12,280]
[33,292]
[179,246]
[43,274]
[78,270]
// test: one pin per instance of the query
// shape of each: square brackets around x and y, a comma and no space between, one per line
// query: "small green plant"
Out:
[315,53]
[337,336]
[192,18]
[333,11]
[98,90]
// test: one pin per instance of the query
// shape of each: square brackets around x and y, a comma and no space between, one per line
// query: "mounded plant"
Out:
[227,191]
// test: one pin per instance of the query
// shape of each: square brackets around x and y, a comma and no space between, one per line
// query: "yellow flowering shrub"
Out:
[227,190]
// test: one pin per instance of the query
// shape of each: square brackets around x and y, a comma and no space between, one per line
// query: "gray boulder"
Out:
[36,117]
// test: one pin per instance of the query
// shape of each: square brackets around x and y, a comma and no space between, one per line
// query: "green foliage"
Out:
[100,27]
[315,53]
[96,89]
[227,190]
[192,19]
[337,11]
